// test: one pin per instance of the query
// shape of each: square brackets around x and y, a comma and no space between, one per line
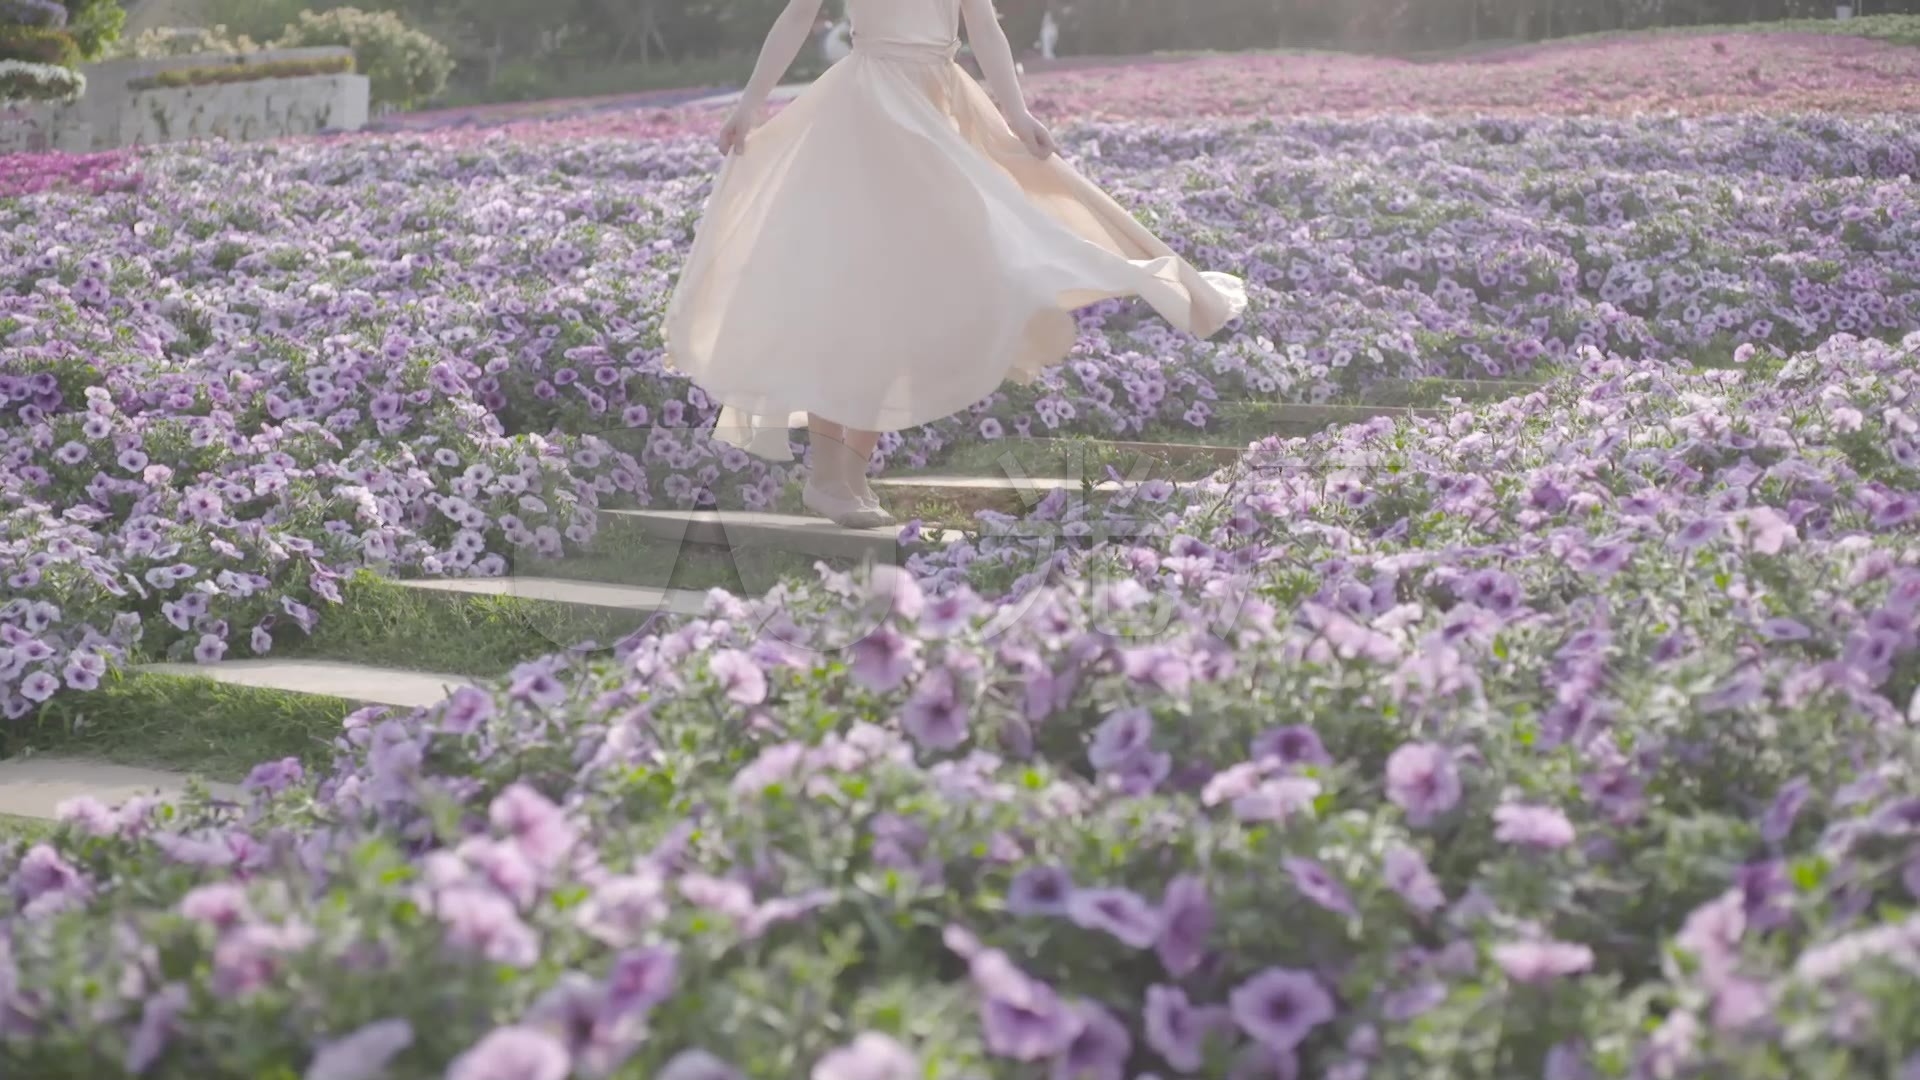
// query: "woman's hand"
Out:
[1034,134]
[733,133]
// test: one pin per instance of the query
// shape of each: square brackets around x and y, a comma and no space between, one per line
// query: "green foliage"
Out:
[232,73]
[38,45]
[183,41]
[262,20]
[94,24]
[405,65]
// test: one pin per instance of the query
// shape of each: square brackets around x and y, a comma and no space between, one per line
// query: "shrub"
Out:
[33,12]
[405,65]
[233,73]
[94,24]
[162,42]
[21,81]
[38,45]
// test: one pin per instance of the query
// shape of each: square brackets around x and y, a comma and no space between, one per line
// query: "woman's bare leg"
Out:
[859,446]
[840,458]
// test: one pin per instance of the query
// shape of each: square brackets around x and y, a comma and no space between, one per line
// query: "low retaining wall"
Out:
[111,116]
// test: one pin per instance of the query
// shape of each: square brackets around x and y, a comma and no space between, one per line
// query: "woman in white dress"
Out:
[891,246]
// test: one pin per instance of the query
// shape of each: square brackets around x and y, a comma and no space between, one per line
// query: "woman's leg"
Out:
[839,458]
[827,459]
[859,446]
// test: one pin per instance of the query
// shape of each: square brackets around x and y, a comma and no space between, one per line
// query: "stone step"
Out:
[1288,419]
[1434,391]
[1170,453]
[746,530]
[641,599]
[34,785]
[926,496]
[358,683]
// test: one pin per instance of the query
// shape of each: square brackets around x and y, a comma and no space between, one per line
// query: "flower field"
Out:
[1564,736]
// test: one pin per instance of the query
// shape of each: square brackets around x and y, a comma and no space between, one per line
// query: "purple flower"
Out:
[935,717]
[1567,1061]
[273,777]
[513,1053]
[698,1065]
[1099,1051]
[159,1022]
[1401,1006]
[1119,912]
[210,649]
[1177,1030]
[1186,921]
[1319,886]
[39,686]
[882,660]
[248,958]
[871,1056]
[44,882]
[484,922]
[741,679]
[621,909]
[537,826]
[1422,781]
[1542,828]
[1039,890]
[641,979]
[1542,961]
[1034,1027]
[1294,745]
[1119,738]
[1778,821]
[1781,628]
[1406,873]
[1280,1007]
[222,906]
[362,1055]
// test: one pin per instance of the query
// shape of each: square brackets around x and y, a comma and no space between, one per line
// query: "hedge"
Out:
[233,73]
[38,45]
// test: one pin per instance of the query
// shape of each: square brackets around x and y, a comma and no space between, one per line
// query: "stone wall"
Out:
[111,116]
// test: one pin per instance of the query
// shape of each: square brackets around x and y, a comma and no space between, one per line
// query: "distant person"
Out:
[890,248]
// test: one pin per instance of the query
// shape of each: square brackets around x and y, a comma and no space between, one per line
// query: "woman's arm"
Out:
[990,47]
[790,31]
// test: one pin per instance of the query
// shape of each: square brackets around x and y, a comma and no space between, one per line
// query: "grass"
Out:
[183,723]
[389,625]
[24,829]
[1072,457]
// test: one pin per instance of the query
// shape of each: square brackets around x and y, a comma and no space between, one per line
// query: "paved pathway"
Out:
[327,678]
[34,786]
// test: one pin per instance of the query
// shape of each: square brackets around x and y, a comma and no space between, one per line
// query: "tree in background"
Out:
[403,65]
[94,25]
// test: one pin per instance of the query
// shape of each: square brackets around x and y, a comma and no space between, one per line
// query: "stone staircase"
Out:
[32,786]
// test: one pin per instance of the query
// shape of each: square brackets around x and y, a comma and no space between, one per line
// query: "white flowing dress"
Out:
[886,252]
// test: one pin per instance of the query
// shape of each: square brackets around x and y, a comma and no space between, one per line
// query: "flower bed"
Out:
[1579,751]
[437,360]
[219,75]
[23,81]
[1571,738]
[96,174]
[1694,74]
